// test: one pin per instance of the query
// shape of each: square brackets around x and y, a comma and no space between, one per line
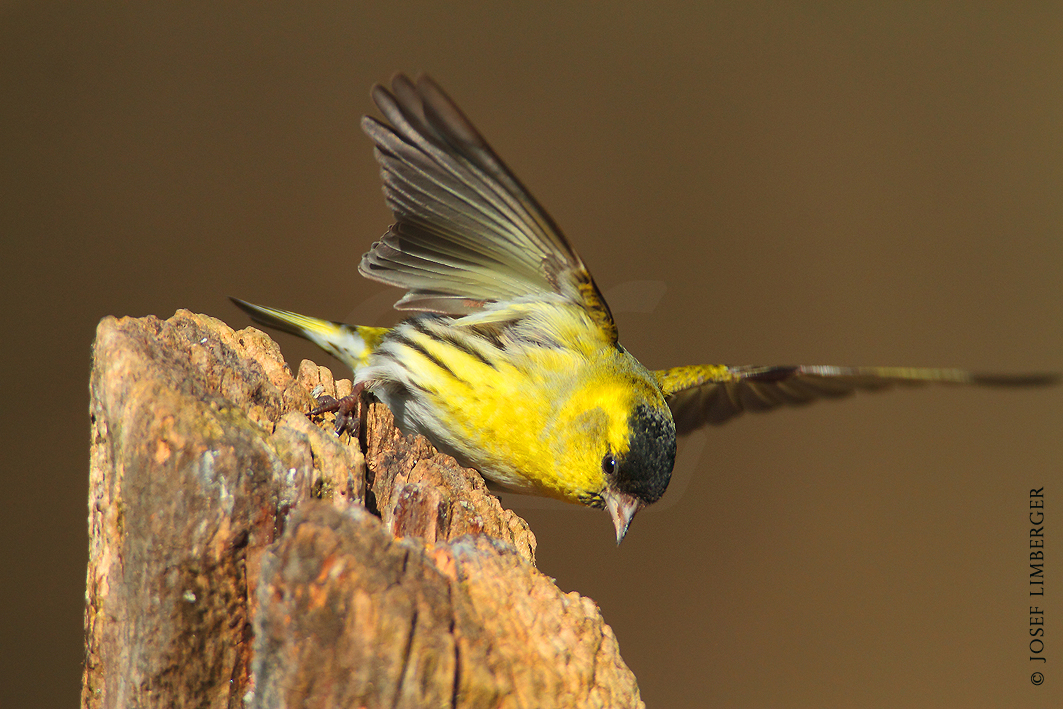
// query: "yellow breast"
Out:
[533,405]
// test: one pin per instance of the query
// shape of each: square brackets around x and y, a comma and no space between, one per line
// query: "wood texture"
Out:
[242,555]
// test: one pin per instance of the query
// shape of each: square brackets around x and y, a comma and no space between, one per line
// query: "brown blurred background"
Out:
[811,183]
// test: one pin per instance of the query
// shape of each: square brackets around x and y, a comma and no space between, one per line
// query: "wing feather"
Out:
[467,232]
[714,394]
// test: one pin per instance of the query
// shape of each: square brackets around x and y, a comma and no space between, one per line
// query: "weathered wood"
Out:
[352,617]
[429,597]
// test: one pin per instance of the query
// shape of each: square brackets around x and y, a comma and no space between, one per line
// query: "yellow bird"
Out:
[513,365]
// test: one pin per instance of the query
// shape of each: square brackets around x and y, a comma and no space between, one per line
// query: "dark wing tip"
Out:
[262,316]
[1034,379]
[249,308]
[440,109]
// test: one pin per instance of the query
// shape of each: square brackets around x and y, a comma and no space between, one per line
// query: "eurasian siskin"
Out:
[513,365]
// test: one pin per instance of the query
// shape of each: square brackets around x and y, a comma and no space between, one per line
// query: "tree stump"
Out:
[241,555]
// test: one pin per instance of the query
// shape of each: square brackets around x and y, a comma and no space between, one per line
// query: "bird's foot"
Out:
[345,409]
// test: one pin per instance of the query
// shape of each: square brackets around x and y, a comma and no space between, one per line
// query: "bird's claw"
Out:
[345,409]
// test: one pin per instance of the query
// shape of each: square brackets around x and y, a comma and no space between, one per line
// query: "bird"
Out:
[511,362]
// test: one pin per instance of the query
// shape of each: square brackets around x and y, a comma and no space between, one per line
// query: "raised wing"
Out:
[713,394]
[467,232]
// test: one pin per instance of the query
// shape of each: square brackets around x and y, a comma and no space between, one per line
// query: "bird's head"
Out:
[637,474]
[626,443]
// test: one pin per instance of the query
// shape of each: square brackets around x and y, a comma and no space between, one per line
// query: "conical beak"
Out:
[622,508]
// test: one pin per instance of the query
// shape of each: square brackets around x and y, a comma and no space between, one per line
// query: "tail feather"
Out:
[351,344]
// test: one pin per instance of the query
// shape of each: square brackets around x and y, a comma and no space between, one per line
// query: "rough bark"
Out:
[242,555]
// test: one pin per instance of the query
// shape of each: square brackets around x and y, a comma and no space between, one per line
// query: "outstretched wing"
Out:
[713,394]
[467,232]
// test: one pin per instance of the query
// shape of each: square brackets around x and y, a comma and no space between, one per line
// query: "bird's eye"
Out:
[609,464]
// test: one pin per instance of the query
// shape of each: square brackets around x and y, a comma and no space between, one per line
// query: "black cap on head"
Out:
[646,468]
